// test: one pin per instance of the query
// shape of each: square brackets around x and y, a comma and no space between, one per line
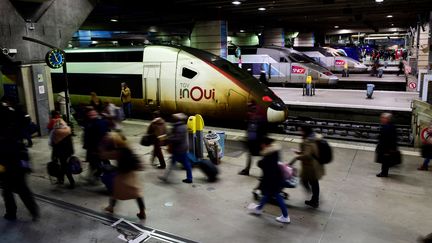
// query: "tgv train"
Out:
[169,78]
[332,59]
[282,66]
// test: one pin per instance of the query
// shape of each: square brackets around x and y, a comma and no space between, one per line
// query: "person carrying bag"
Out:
[126,185]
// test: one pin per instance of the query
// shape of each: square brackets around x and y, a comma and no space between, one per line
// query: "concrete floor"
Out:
[355,205]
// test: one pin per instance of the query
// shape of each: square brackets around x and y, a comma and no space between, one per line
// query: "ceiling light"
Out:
[236,2]
[262,9]
[392,24]
[114,20]
[389,16]
[259,34]
[336,26]
[241,31]
[379,1]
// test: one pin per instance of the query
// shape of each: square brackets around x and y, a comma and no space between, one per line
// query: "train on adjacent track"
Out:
[168,78]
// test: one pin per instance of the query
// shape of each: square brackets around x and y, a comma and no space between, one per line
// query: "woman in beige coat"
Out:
[311,170]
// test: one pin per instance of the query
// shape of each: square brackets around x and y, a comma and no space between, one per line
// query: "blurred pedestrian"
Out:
[178,145]
[96,102]
[62,150]
[401,68]
[94,131]
[256,131]
[113,115]
[158,131]
[387,150]
[311,169]
[126,183]
[426,151]
[14,162]
[126,99]
[55,116]
[272,180]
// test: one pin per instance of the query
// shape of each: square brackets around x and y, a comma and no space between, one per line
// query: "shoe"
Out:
[312,203]
[161,167]
[244,172]
[282,219]
[109,209]
[381,175]
[253,209]
[423,168]
[189,181]
[142,215]
[10,217]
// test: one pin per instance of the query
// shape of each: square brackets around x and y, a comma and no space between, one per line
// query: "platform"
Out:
[355,99]
[366,78]
[354,202]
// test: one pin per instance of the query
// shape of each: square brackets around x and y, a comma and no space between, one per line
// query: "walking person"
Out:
[15,162]
[55,116]
[256,131]
[311,170]
[158,131]
[96,102]
[387,150]
[178,145]
[113,115]
[126,99]
[62,150]
[427,149]
[126,183]
[272,180]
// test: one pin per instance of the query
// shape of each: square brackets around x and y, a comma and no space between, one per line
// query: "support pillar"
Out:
[305,40]
[211,36]
[273,37]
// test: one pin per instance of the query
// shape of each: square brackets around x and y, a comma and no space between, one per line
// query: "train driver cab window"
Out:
[283,59]
[188,73]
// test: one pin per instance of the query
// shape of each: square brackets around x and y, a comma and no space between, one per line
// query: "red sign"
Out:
[412,85]
[339,62]
[298,70]
[425,134]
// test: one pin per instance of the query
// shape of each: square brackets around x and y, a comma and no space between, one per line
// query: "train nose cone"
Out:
[277,112]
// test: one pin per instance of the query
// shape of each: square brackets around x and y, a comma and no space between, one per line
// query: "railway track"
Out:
[346,130]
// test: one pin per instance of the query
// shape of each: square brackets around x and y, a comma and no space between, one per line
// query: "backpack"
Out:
[74,165]
[325,153]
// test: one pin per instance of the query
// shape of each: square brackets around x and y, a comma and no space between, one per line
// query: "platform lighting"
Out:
[259,34]
[392,24]
[241,31]
[262,9]
[236,2]
[379,1]
[336,26]
[389,16]
[114,20]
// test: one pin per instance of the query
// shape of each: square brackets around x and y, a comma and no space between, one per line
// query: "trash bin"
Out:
[370,90]
[380,72]
[211,141]
[221,143]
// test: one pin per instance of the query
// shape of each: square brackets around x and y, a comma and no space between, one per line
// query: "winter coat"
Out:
[126,95]
[94,131]
[157,127]
[178,138]
[311,169]
[272,180]
[64,148]
[387,143]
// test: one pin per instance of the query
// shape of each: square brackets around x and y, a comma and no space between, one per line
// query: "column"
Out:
[273,37]
[304,40]
[211,36]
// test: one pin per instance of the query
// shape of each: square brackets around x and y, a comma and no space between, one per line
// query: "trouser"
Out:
[65,171]
[157,152]
[426,162]
[19,186]
[127,108]
[384,169]
[140,201]
[279,200]
[314,185]
[182,158]
[248,162]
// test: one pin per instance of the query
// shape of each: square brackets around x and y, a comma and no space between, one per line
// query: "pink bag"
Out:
[287,171]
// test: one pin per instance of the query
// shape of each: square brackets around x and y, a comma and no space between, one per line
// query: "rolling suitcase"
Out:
[209,169]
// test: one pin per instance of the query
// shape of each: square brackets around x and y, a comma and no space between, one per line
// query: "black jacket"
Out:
[387,142]
[272,180]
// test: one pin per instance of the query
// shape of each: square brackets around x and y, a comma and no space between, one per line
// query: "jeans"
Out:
[182,158]
[127,108]
[18,185]
[279,200]
[426,162]
[314,185]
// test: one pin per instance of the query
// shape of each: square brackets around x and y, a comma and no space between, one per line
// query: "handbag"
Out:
[394,158]
[74,165]
[147,140]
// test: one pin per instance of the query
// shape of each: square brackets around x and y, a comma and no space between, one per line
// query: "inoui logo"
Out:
[196,93]
[298,70]
[339,62]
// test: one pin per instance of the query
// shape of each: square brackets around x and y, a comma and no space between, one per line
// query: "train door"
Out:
[151,84]
[284,68]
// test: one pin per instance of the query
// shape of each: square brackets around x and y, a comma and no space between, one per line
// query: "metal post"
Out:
[66,92]
[303,89]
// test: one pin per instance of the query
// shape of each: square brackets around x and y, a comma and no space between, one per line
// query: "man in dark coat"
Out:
[14,162]
[386,150]
[272,179]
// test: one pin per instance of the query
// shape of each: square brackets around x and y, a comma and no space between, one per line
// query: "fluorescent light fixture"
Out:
[114,20]
[236,2]
[241,31]
[262,9]
[379,1]
[336,26]
[389,16]
[259,34]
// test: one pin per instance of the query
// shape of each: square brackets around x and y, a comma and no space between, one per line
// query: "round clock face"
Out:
[55,58]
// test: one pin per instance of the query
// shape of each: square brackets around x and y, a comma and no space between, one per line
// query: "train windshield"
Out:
[295,57]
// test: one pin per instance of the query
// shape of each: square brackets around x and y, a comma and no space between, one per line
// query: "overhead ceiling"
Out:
[296,15]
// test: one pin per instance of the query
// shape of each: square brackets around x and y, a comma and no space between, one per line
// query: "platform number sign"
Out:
[425,134]
[412,85]
[55,58]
